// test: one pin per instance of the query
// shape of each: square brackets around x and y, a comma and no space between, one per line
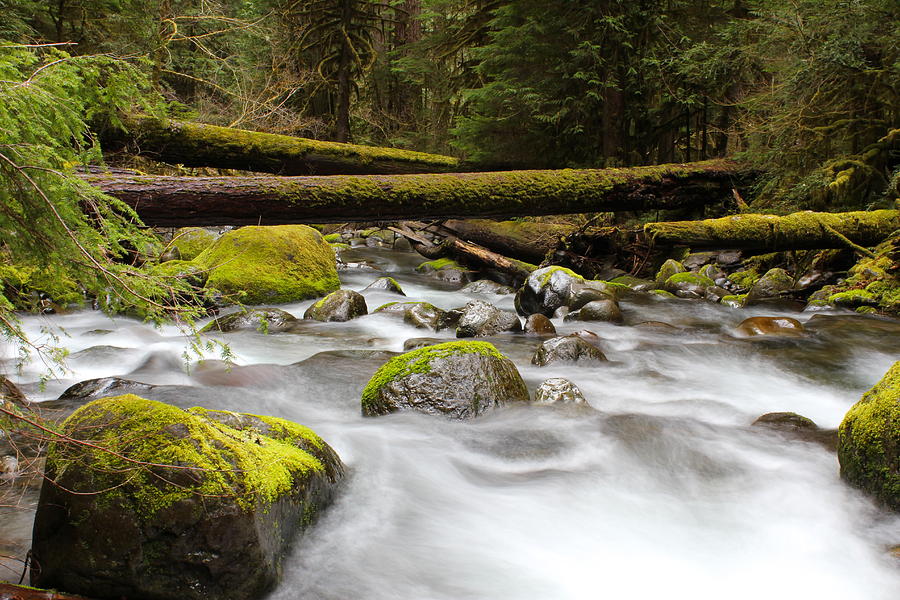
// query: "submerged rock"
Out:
[558,391]
[869,441]
[456,379]
[271,265]
[480,319]
[214,524]
[798,427]
[599,310]
[567,349]
[266,320]
[339,306]
[755,326]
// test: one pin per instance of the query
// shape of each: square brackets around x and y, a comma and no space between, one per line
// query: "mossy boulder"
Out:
[688,285]
[176,504]
[869,441]
[567,349]
[874,281]
[445,269]
[668,268]
[339,306]
[191,241]
[35,289]
[271,265]
[266,320]
[456,379]
[480,319]
[546,290]
[772,284]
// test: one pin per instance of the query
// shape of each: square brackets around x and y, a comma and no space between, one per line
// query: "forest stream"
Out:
[662,488]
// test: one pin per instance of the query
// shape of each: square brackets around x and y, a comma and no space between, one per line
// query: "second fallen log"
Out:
[180,201]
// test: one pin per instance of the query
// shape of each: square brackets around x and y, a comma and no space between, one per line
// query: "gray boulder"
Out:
[546,290]
[606,309]
[267,320]
[480,319]
[338,306]
[558,391]
[387,284]
[567,349]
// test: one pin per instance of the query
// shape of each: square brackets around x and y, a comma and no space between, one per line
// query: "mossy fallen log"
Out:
[201,145]
[524,240]
[797,231]
[180,201]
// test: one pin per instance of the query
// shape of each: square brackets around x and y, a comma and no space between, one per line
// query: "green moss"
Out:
[852,298]
[267,265]
[663,293]
[191,241]
[868,448]
[215,460]
[22,285]
[689,278]
[419,361]
[667,269]
[744,279]
[546,275]
[332,238]
[437,265]
[734,301]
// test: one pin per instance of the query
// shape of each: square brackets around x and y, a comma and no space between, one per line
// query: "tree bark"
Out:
[201,145]
[174,201]
[798,231]
[518,239]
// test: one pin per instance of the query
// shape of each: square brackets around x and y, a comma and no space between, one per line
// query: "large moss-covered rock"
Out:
[456,379]
[191,241]
[869,441]
[271,265]
[339,306]
[176,504]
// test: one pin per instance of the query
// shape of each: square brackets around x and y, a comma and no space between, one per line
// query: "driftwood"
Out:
[797,231]
[180,201]
[201,145]
[518,239]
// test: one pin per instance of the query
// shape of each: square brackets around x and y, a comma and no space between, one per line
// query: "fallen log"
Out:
[476,256]
[201,145]
[519,239]
[797,231]
[180,201]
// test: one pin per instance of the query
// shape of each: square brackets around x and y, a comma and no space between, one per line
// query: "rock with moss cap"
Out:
[422,315]
[688,285]
[546,290]
[386,284]
[773,284]
[456,379]
[445,269]
[191,241]
[567,349]
[668,268]
[869,441]
[271,265]
[339,306]
[176,504]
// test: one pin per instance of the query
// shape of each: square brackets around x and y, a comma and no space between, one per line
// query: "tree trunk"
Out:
[798,231]
[517,239]
[173,201]
[201,145]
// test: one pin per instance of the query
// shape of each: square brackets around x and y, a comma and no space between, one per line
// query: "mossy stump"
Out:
[160,503]
[456,379]
[869,441]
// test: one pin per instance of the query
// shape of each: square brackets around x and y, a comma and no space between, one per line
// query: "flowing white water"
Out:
[663,490]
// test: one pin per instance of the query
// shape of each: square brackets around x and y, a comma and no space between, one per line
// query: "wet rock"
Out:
[546,290]
[798,427]
[728,258]
[635,283]
[688,285]
[538,324]
[216,526]
[486,286]
[456,379]
[445,270]
[716,293]
[387,284]
[92,389]
[558,391]
[480,319]
[668,268]
[869,441]
[773,284]
[755,326]
[418,314]
[266,320]
[712,272]
[582,294]
[695,260]
[339,306]
[599,310]
[401,244]
[734,301]
[271,265]
[567,349]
